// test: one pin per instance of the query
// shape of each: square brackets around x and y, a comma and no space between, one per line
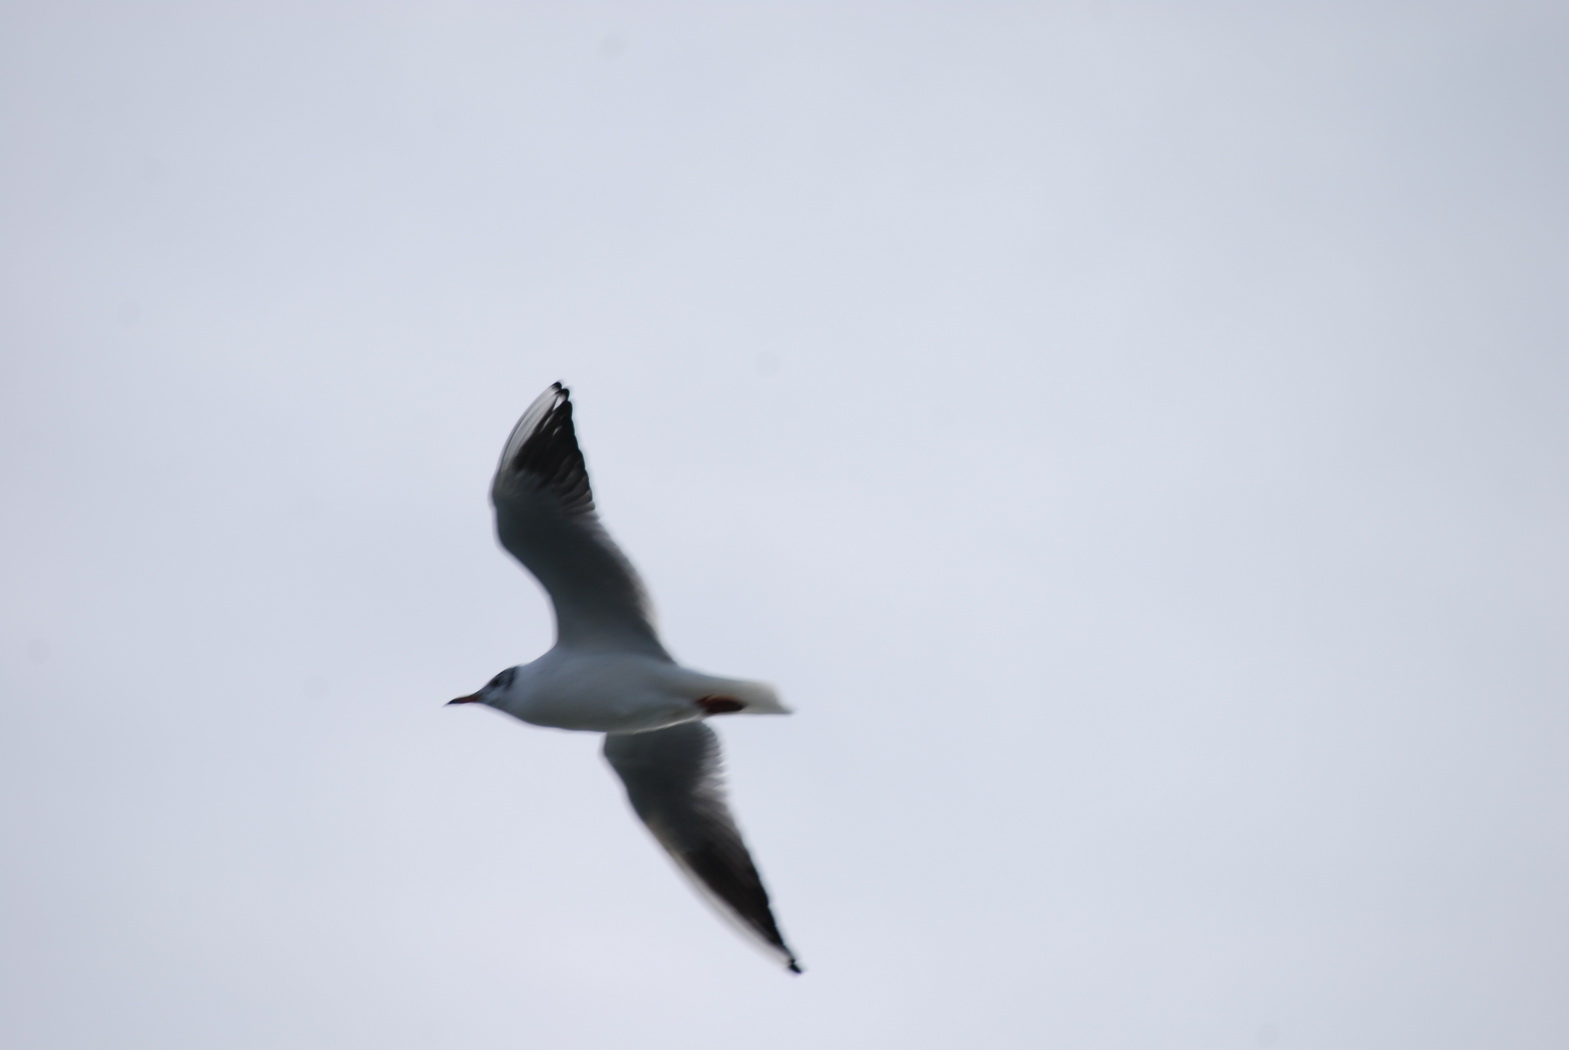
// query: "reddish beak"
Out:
[472,698]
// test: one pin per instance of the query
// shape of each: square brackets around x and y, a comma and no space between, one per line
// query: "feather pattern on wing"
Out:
[674,780]
[545,517]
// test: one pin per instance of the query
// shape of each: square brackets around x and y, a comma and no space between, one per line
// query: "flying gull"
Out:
[608,672]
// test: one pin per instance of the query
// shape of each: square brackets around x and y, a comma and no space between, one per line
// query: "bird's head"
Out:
[491,692]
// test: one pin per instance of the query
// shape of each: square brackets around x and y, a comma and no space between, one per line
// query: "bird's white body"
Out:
[611,692]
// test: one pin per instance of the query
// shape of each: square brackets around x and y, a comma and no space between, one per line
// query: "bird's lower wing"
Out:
[675,782]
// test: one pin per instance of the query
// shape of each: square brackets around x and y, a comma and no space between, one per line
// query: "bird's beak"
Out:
[472,698]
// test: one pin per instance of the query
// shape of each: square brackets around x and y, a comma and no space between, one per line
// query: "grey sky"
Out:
[1132,436]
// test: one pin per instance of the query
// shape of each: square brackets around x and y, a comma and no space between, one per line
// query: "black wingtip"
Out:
[544,445]
[795,968]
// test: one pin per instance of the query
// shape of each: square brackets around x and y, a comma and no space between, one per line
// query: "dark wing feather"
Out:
[675,783]
[545,517]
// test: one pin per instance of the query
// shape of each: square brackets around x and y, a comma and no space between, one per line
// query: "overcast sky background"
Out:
[1132,436]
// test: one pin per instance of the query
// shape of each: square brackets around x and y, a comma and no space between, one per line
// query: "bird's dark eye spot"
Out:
[502,680]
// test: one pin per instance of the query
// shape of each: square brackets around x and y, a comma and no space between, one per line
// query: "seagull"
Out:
[609,673]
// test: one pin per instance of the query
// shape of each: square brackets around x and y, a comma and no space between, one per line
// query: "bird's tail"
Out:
[761,698]
[756,698]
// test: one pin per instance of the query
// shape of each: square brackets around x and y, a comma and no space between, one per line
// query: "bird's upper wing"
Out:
[674,781]
[545,518]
